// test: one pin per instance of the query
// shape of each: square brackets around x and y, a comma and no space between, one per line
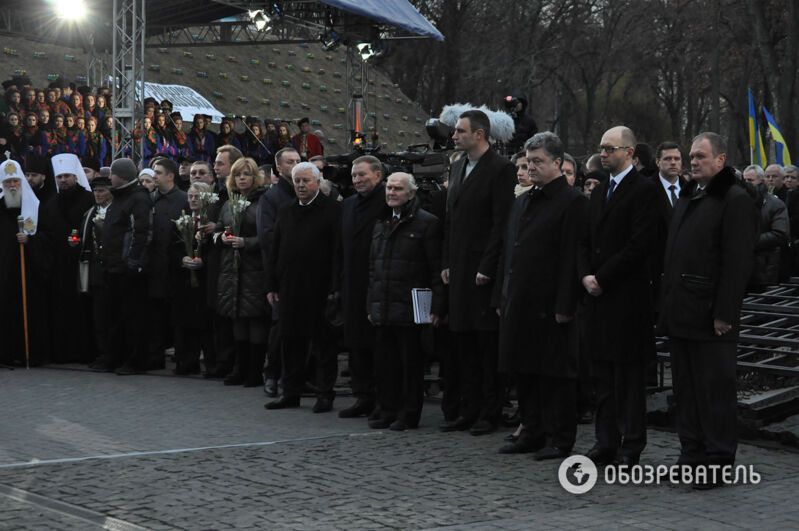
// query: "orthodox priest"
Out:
[18,236]
[69,310]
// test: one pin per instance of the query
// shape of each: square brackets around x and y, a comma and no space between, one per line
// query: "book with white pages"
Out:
[422,304]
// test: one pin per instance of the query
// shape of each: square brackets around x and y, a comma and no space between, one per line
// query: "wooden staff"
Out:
[21,225]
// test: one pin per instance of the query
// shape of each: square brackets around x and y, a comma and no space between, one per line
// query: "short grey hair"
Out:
[791,168]
[547,140]
[757,169]
[782,170]
[302,166]
[408,177]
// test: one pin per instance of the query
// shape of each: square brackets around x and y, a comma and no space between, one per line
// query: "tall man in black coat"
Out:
[479,198]
[359,213]
[538,294]
[125,238]
[270,203]
[613,264]
[302,272]
[70,312]
[709,258]
[169,202]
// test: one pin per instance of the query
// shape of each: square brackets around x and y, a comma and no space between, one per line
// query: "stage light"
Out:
[330,40]
[369,50]
[71,9]
[262,21]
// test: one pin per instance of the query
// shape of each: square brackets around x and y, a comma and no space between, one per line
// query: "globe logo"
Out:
[577,474]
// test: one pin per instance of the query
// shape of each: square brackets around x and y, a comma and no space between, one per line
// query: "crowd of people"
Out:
[541,278]
[64,118]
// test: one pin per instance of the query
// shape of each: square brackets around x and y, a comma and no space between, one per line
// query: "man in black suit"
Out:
[538,294]
[709,258]
[613,264]
[359,213]
[479,198]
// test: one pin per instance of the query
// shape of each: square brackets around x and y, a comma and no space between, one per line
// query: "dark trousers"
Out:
[295,353]
[399,368]
[160,328]
[127,303]
[190,341]
[362,373]
[272,365]
[481,389]
[101,315]
[704,378]
[449,372]
[225,348]
[548,408]
[620,406]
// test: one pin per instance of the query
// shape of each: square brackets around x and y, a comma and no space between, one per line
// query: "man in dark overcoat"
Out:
[539,291]
[613,265]
[709,257]
[271,201]
[302,272]
[359,213]
[479,198]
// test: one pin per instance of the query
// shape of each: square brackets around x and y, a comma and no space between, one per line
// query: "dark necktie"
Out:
[611,188]
[394,220]
[673,194]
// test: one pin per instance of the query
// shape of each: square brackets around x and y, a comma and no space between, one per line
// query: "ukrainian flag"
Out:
[757,152]
[783,156]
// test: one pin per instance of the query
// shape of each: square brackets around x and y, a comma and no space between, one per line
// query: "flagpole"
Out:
[20,224]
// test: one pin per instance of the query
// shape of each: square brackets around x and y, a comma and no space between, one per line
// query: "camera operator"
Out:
[525,126]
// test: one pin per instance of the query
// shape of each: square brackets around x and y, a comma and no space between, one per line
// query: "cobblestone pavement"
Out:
[81,450]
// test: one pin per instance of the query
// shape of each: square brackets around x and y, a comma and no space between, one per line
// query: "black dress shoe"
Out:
[398,425]
[381,423]
[601,456]
[522,445]
[127,370]
[629,460]
[184,370]
[101,366]
[459,424]
[482,427]
[234,378]
[283,402]
[375,414]
[360,408]
[551,452]
[511,437]
[322,405]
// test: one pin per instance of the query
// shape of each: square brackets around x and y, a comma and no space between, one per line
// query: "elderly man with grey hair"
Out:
[771,250]
[775,180]
[302,271]
[405,254]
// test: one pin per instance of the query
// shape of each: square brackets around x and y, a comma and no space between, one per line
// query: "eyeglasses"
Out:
[611,149]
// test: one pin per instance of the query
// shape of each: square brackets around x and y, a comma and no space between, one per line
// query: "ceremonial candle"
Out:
[73,237]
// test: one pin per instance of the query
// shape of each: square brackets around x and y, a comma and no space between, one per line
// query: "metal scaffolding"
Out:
[128,75]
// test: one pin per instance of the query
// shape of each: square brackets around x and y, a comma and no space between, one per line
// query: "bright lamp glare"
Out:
[71,9]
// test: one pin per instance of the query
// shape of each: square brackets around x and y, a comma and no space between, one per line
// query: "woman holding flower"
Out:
[240,293]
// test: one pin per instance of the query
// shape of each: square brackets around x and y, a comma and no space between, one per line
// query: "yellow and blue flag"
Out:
[783,156]
[757,152]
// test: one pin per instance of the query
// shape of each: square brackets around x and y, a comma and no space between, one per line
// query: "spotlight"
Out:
[370,50]
[330,40]
[262,21]
[71,9]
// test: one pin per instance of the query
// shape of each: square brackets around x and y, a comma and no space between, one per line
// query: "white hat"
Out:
[147,171]
[70,163]
[10,169]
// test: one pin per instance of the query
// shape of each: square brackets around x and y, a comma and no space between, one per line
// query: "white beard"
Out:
[12,198]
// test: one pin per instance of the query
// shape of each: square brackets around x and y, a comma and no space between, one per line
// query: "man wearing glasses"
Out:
[613,267]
